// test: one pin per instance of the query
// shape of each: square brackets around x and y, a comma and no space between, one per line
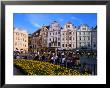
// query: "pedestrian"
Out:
[52,59]
[63,60]
[68,62]
[82,68]
[43,58]
[17,57]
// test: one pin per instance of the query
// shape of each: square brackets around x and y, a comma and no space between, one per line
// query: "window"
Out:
[58,43]
[55,38]
[84,37]
[58,38]
[15,43]
[88,38]
[62,45]
[73,38]
[69,38]
[50,33]
[80,44]
[50,39]
[18,38]
[84,28]
[55,43]
[49,44]
[88,44]
[67,26]
[73,45]
[94,45]
[56,33]
[53,33]
[79,38]
[69,45]
[73,33]
[80,33]
[63,33]
[70,33]
[63,39]
[66,45]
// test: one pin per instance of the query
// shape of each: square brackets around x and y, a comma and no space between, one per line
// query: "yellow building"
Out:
[20,40]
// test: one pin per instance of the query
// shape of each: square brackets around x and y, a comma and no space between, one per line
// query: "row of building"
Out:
[69,37]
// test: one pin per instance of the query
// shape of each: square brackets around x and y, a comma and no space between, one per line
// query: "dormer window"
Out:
[84,28]
[67,26]
[70,33]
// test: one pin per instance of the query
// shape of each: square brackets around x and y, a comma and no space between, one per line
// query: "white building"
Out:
[54,35]
[94,38]
[84,37]
[68,36]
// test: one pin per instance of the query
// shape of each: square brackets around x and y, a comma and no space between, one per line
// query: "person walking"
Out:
[52,59]
[63,60]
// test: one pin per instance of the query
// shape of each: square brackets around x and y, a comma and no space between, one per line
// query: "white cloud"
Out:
[61,19]
[77,19]
[35,24]
[74,18]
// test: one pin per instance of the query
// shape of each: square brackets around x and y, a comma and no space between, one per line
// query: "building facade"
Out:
[83,37]
[20,40]
[54,35]
[39,38]
[94,38]
[44,36]
[29,42]
[36,41]
[68,36]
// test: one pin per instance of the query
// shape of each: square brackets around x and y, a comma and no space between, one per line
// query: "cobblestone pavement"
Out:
[17,71]
[90,63]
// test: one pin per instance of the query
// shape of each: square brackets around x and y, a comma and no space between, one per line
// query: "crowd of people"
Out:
[60,58]
[68,59]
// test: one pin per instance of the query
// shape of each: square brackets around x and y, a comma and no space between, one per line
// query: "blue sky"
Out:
[33,21]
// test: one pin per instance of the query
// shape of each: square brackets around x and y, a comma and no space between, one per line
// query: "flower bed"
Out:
[31,67]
